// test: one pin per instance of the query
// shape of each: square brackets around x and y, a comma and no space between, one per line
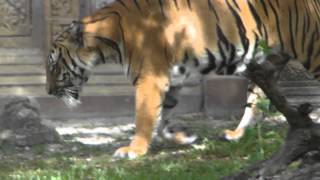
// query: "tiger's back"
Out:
[229,29]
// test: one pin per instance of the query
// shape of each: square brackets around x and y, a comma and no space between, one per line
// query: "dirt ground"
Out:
[109,134]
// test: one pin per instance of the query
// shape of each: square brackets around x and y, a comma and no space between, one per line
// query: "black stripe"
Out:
[221,52]
[123,38]
[236,4]
[176,4]
[135,80]
[212,9]
[232,53]
[123,4]
[296,12]
[186,57]
[264,7]
[81,61]
[256,17]
[292,43]
[113,45]
[317,53]
[231,69]
[59,56]
[129,64]
[222,41]
[189,4]
[304,33]
[278,25]
[103,18]
[241,30]
[266,35]
[161,7]
[221,36]
[68,67]
[212,63]
[308,19]
[317,8]
[137,5]
[310,48]
[82,71]
[101,54]
[256,41]
[74,64]
[317,32]
[219,70]
[69,55]
[138,76]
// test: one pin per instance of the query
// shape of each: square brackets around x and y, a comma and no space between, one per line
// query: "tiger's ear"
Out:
[75,28]
[75,32]
[90,56]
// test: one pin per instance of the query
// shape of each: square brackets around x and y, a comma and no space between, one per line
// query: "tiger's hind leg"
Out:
[250,114]
[176,132]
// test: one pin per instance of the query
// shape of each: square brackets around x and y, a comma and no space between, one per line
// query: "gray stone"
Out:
[20,124]
[294,71]
[225,96]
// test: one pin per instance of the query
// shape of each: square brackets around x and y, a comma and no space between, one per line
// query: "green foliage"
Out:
[263,47]
[264,105]
[210,159]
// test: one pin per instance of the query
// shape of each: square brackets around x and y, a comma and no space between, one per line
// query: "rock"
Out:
[294,71]
[308,169]
[20,124]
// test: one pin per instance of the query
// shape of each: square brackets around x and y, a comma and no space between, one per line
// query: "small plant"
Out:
[263,46]
[261,49]
[264,105]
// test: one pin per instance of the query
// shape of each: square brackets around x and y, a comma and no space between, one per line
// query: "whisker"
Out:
[71,97]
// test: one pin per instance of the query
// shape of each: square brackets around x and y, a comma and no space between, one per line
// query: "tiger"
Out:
[162,43]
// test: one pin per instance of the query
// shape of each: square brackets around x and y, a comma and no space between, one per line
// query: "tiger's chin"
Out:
[70,97]
[70,101]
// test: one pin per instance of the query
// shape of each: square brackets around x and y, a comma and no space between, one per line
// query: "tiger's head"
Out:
[68,65]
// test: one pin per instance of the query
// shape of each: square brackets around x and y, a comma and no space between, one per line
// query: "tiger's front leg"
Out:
[148,105]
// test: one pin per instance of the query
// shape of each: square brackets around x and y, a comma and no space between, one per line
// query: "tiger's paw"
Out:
[179,137]
[129,152]
[233,135]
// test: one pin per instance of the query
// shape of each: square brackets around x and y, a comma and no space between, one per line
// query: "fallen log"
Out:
[302,138]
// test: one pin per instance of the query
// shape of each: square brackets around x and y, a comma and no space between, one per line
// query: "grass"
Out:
[210,159]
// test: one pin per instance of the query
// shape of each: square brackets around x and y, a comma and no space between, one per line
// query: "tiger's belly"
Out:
[208,62]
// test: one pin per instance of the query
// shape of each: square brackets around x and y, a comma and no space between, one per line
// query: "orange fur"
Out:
[180,137]
[234,135]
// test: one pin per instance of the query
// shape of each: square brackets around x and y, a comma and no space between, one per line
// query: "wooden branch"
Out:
[265,76]
[303,135]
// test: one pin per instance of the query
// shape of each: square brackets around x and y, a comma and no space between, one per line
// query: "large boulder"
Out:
[20,124]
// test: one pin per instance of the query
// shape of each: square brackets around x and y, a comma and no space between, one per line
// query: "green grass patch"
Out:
[210,159]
